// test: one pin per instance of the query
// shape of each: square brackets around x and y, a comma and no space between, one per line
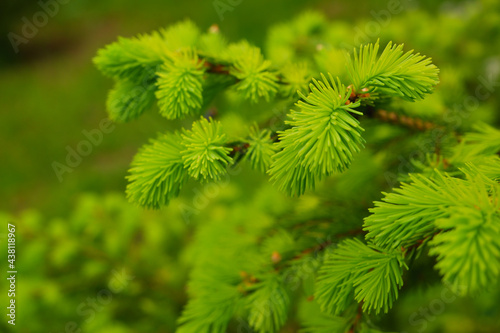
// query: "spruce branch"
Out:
[268,305]
[261,150]
[468,248]
[180,86]
[407,215]
[366,273]
[322,140]
[244,257]
[483,141]
[157,172]
[406,75]
[468,251]
[129,58]
[127,100]
[255,79]
[211,310]
[205,155]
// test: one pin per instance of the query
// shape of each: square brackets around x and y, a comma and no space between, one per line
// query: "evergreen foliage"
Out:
[406,75]
[128,101]
[373,275]
[322,139]
[261,149]
[180,86]
[255,81]
[157,173]
[205,155]
[446,208]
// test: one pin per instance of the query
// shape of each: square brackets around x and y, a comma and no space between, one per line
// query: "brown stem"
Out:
[216,68]
[238,148]
[412,123]
[418,243]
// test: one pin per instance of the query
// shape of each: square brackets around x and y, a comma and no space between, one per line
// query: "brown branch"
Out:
[239,149]
[413,123]
[216,68]
[418,243]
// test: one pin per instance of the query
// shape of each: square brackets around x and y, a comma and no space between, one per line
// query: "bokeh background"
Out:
[79,237]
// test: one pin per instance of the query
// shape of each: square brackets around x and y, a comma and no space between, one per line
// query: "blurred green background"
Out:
[75,234]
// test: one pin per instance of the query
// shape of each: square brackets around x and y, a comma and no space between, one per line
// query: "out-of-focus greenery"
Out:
[70,244]
[120,273]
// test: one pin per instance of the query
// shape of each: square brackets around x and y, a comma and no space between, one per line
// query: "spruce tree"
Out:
[369,225]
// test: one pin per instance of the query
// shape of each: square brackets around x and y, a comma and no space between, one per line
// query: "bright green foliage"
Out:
[220,291]
[468,247]
[137,62]
[80,254]
[130,58]
[128,100]
[477,151]
[406,75]
[407,215]
[132,62]
[212,44]
[204,155]
[323,138]
[175,60]
[461,216]
[252,260]
[252,71]
[489,166]
[238,255]
[261,149]
[485,140]
[161,168]
[268,305]
[180,86]
[215,293]
[157,172]
[372,274]
[468,250]
[323,135]
[198,317]
[181,36]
